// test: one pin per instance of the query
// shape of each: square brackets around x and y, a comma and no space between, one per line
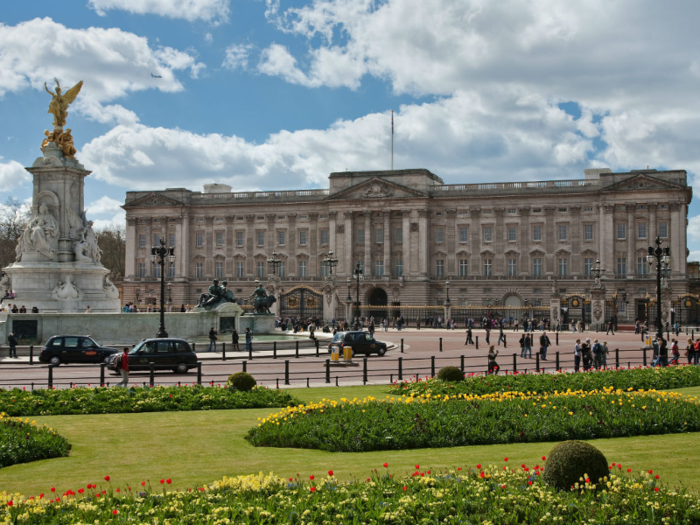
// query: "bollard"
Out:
[537,362]
[250,352]
[199,372]
[316,342]
[400,368]
[645,356]
[286,371]
[278,383]
[432,366]
[152,367]
[336,381]
[245,365]
[477,342]
[274,350]
[391,379]
[32,386]
[617,358]
[31,354]
[557,359]
[441,344]
[296,349]
[692,334]
[461,363]
[505,345]
[515,362]
[102,373]
[328,371]
[223,353]
[557,338]
[364,370]
[50,376]
[642,332]
[402,346]
[307,383]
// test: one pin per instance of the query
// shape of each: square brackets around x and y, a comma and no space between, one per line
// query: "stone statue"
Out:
[5,284]
[86,249]
[228,294]
[262,301]
[60,102]
[109,289]
[65,142]
[39,235]
[217,295]
[66,289]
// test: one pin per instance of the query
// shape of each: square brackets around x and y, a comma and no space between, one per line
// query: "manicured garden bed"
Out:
[22,441]
[635,378]
[502,494]
[464,419]
[102,400]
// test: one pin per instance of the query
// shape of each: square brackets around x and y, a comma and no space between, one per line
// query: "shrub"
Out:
[450,373]
[570,461]
[22,442]
[242,381]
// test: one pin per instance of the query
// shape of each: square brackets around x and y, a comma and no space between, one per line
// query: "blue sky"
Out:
[277,94]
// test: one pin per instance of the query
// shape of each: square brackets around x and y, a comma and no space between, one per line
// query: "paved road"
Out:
[421,350]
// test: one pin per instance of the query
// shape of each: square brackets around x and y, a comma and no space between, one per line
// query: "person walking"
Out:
[521,342]
[469,340]
[493,366]
[212,340]
[577,355]
[604,355]
[663,352]
[234,340]
[248,340]
[597,351]
[689,350]
[501,337]
[488,334]
[544,344]
[586,355]
[528,346]
[12,341]
[122,364]
[611,328]
[675,352]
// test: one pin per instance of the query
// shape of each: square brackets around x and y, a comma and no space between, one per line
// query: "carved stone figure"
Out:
[217,295]
[40,235]
[109,289]
[65,289]
[262,301]
[60,102]
[5,284]
[378,190]
[65,142]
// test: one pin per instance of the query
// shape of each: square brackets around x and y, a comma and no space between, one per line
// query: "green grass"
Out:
[194,448]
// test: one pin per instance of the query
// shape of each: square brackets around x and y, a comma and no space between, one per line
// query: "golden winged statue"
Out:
[60,102]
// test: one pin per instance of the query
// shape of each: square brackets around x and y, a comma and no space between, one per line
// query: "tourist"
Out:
[234,340]
[663,352]
[528,346]
[493,366]
[35,310]
[544,344]
[488,333]
[597,351]
[122,364]
[604,355]
[88,310]
[12,341]
[249,340]
[675,352]
[469,340]
[696,353]
[212,340]
[521,342]
[586,355]
[312,329]
[577,355]
[610,327]
[501,337]
[689,350]
[370,328]
[23,310]
[182,309]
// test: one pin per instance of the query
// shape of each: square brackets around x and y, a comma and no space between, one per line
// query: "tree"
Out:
[13,220]
[112,242]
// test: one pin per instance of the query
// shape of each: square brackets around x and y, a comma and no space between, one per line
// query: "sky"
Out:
[277,94]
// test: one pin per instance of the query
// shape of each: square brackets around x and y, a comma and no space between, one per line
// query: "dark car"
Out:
[170,354]
[361,343]
[74,349]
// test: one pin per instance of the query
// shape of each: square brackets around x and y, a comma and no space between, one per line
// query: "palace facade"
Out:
[499,244]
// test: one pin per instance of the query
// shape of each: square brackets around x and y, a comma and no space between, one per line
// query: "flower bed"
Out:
[22,442]
[486,495]
[139,399]
[464,419]
[634,378]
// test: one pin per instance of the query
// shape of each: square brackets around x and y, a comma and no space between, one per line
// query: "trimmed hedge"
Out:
[572,461]
[22,442]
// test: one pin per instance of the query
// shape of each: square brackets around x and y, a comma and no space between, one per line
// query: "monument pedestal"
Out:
[258,323]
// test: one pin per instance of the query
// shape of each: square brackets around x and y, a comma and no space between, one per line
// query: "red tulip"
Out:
[311,477]
[405,487]
[656,489]
[143,483]
[386,465]
[119,490]
[106,478]
[313,489]
[417,467]
[479,466]
[529,482]
[162,481]
[657,476]
[330,473]
[629,470]
[168,481]
[505,459]
[53,489]
[115,512]
[9,503]
[650,472]
[80,491]
[544,458]
[367,480]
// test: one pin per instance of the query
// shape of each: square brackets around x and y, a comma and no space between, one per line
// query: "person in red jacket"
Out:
[123,367]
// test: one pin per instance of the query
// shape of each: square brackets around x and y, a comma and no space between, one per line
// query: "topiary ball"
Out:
[570,461]
[242,381]
[450,373]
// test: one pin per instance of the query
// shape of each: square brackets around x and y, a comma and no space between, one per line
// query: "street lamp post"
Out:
[447,292]
[662,256]
[159,254]
[274,262]
[170,294]
[330,261]
[357,275]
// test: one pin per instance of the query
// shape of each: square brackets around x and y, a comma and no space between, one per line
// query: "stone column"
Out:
[149,244]
[406,241]
[249,244]
[607,242]
[653,232]
[292,242]
[575,232]
[330,298]
[132,242]
[631,239]
[475,225]
[498,244]
[524,240]
[598,306]
[676,231]
[314,267]
[423,247]
[184,254]
[387,242]
[549,241]
[368,242]
[666,300]
[348,233]
[451,242]
[209,246]
[554,306]
[270,237]
[229,270]
[332,217]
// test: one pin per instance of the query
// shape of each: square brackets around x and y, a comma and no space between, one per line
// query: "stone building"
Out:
[499,244]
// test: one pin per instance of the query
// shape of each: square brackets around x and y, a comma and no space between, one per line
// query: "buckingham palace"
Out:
[417,240]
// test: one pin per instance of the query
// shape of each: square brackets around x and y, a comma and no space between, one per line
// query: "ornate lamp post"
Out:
[447,292]
[274,262]
[159,254]
[357,275]
[662,256]
[170,294]
[330,261]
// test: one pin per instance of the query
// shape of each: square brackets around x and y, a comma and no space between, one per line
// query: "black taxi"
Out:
[166,354]
[361,343]
[64,349]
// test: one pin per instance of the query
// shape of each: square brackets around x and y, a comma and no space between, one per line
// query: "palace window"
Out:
[198,270]
[261,237]
[200,239]
[562,232]
[379,267]
[282,270]
[537,266]
[464,234]
[172,239]
[463,267]
[156,239]
[219,238]
[440,235]
[156,271]
[302,268]
[260,268]
[218,269]
[398,267]
[239,239]
[537,233]
[142,269]
[142,240]
[641,266]
[280,238]
[324,237]
[488,267]
[379,235]
[642,230]
[398,235]
[622,266]
[302,237]
[440,267]
[587,265]
[512,234]
[239,269]
[621,230]
[663,230]
[512,267]
[487,234]
[360,235]
[563,266]
[171,269]
[587,232]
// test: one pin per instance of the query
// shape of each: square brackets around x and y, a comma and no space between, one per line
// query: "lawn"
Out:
[194,448]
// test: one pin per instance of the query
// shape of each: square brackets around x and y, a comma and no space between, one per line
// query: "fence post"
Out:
[31,354]
[50,376]
[400,368]
[441,344]
[505,345]
[223,353]
[364,370]
[477,342]
[461,363]
[296,348]
[328,371]
[152,367]
[316,342]
[432,366]
[250,352]
[515,362]
[617,358]
[245,365]
[537,364]
[402,346]
[645,356]
[274,349]
[286,371]
[642,332]
[557,338]
[199,372]
[557,358]
[102,374]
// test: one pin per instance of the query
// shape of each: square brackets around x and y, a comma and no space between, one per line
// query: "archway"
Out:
[378,298]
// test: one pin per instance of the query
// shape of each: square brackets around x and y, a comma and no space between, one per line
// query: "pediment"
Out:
[376,188]
[643,182]
[153,200]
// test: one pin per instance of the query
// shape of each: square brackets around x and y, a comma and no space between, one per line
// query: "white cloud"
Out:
[104,205]
[215,11]
[237,56]
[208,38]
[111,62]
[106,212]
[694,256]
[13,175]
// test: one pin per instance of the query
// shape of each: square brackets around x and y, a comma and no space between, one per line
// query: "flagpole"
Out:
[392,140]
